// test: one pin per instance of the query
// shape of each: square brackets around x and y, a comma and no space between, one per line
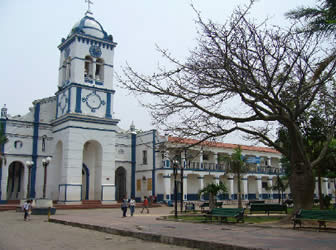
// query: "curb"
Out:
[199,244]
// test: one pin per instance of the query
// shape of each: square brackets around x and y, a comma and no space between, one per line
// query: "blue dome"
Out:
[91,27]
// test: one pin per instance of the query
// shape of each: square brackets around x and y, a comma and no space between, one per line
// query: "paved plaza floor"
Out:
[148,227]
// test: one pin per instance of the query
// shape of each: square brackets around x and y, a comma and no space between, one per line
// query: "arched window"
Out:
[99,74]
[88,67]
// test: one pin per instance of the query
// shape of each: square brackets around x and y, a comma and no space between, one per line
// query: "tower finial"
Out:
[88,10]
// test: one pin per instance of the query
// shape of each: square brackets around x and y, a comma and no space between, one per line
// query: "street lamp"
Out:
[29,165]
[45,163]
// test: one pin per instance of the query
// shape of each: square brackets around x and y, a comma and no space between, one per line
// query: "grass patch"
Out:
[248,219]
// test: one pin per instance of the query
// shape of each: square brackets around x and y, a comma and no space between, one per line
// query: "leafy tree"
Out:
[213,190]
[319,20]
[238,166]
[245,77]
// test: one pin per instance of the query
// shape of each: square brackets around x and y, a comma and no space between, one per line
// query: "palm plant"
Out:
[213,190]
[320,19]
[238,166]
[281,184]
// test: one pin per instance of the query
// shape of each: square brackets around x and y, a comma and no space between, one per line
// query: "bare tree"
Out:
[244,77]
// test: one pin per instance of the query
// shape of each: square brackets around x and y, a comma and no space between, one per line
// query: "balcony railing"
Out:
[209,166]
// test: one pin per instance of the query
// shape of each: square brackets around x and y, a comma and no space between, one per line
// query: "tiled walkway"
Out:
[204,236]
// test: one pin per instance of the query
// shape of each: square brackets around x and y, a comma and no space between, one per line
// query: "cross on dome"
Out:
[88,10]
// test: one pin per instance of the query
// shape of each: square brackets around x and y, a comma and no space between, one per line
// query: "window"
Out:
[206,157]
[144,157]
[264,184]
[99,74]
[88,67]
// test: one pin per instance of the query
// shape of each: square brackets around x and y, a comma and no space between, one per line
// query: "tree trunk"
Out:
[278,182]
[301,180]
[211,201]
[239,191]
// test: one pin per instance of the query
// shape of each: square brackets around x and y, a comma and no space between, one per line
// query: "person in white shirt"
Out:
[132,205]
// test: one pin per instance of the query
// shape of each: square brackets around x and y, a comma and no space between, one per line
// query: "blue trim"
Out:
[71,117]
[86,39]
[74,84]
[2,149]
[69,99]
[192,197]
[154,161]
[108,106]
[133,163]
[78,100]
[96,129]
[87,178]
[35,149]
[252,196]
[57,102]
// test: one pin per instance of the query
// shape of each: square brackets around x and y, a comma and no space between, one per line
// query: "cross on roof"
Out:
[88,2]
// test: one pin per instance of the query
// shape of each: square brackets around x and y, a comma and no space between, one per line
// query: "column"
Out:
[325,190]
[230,180]
[270,185]
[316,192]
[259,188]
[185,187]
[245,188]
[183,160]
[201,183]
[216,180]
[216,160]
[166,187]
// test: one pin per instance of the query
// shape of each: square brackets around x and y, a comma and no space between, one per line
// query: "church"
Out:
[69,147]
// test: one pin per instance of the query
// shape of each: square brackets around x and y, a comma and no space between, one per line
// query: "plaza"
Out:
[81,227]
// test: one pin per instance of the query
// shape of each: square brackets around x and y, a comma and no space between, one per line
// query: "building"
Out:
[94,159]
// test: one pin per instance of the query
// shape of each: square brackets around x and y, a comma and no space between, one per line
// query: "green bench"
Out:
[223,213]
[321,216]
[206,204]
[254,202]
[267,208]
[189,207]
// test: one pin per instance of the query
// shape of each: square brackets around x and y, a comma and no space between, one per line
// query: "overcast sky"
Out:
[32,30]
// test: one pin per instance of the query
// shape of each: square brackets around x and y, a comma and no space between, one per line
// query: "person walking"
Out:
[145,205]
[25,210]
[124,205]
[132,205]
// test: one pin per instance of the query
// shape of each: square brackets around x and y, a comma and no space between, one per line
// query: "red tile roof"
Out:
[221,145]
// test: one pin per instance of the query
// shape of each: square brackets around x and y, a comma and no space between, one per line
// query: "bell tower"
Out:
[85,82]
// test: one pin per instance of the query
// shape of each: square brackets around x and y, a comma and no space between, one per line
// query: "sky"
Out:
[32,30]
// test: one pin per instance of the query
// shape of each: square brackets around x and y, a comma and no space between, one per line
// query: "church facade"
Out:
[69,147]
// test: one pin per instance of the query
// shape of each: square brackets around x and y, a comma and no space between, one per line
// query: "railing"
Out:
[209,166]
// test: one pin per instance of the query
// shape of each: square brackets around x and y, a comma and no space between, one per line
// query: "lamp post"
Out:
[45,163]
[175,166]
[182,168]
[29,165]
